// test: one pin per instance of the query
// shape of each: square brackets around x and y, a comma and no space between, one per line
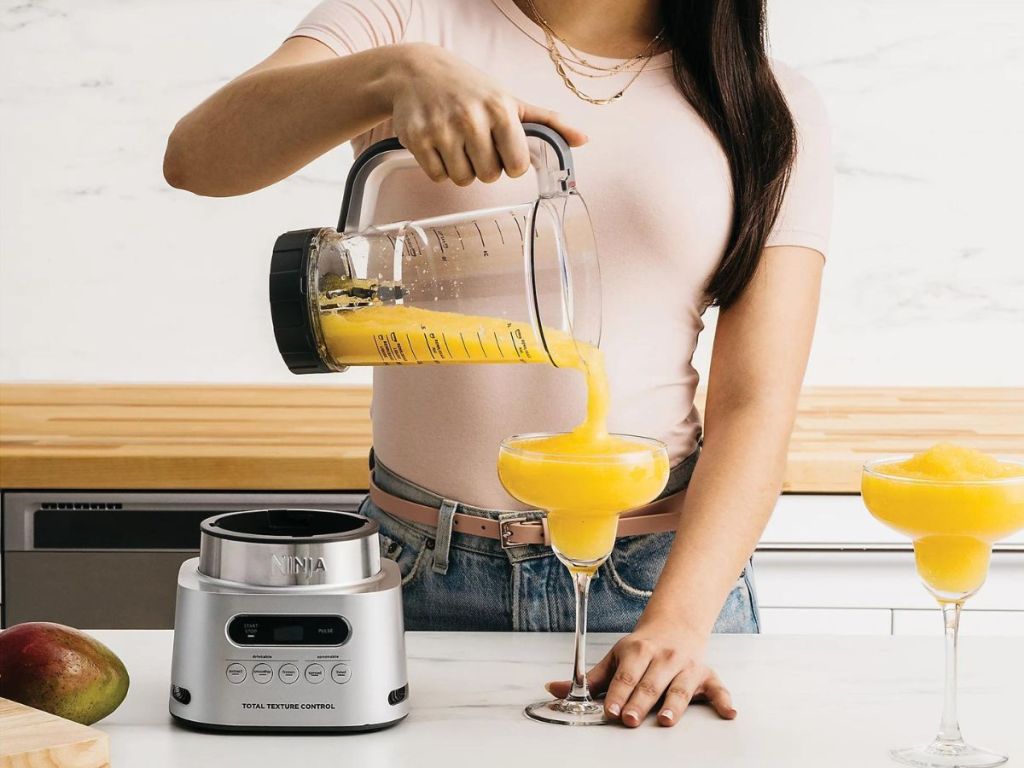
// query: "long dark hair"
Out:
[722,68]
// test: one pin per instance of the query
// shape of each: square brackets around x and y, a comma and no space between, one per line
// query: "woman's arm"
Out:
[270,121]
[760,353]
[304,100]
[757,368]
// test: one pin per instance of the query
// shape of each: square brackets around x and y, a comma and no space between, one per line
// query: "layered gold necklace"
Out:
[573,61]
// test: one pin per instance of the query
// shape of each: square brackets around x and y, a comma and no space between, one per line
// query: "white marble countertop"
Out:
[803,701]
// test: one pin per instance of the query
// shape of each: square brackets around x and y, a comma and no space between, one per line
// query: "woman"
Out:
[707,173]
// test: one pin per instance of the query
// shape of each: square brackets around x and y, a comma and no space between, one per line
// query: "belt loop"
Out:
[443,540]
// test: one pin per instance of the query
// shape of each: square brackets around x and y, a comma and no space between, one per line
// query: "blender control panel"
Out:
[288,649]
[280,630]
[263,672]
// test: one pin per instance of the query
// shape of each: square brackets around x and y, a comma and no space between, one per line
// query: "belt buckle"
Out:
[505,532]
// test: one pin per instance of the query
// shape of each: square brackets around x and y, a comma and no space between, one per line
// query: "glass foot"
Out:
[947,754]
[567,712]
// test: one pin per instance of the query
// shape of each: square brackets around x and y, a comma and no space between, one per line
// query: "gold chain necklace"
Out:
[575,58]
[575,62]
[556,59]
[576,67]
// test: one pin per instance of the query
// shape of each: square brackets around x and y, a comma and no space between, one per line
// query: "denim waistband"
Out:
[390,482]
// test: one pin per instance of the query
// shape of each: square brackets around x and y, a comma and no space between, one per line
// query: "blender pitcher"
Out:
[512,284]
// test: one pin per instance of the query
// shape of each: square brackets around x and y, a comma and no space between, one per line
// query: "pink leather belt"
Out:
[517,530]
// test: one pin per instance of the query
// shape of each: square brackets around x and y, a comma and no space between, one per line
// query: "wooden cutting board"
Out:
[33,739]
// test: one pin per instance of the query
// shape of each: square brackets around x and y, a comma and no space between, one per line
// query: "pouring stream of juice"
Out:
[583,478]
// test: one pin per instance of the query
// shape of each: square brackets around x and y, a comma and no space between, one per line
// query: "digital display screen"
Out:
[288,633]
[288,630]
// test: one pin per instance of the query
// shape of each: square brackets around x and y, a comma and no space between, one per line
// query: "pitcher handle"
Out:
[380,159]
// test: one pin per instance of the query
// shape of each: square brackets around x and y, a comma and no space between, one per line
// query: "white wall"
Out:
[107,274]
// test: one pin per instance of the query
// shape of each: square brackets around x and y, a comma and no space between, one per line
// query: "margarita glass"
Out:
[583,483]
[954,504]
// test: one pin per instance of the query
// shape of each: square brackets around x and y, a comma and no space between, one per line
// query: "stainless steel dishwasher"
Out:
[109,560]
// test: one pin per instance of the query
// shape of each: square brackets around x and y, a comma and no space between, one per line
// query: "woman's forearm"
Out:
[730,498]
[268,123]
[760,354]
[457,122]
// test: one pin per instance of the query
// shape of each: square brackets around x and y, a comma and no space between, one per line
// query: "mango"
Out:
[60,670]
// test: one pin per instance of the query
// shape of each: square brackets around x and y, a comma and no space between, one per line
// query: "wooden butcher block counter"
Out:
[179,437]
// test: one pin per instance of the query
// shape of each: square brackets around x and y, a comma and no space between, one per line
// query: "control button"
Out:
[289,673]
[315,673]
[262,673]
[235,673]
[398,695]
[180,695]
[341,673]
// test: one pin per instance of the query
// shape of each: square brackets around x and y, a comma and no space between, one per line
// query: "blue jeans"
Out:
[470,583]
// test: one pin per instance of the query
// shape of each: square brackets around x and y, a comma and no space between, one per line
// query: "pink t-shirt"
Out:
[657,184]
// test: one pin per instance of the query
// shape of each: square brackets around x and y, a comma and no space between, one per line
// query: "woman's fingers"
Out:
[456,162]
[597,679]
[528,113]
[483,154]
[601,674]
[510,142]
[632,662]
[697,683]
[558,688]
[679,693]
[478,140]
[648,690]
[429,160]
[718,696]
[447,112]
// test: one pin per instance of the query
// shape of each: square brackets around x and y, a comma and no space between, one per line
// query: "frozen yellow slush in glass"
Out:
[584,481]
[954,502]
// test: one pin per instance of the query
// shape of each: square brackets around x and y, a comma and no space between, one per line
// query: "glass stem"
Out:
[949,728]
[579,691]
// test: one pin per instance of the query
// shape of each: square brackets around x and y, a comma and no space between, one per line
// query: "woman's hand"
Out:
[457,122]
[656,663]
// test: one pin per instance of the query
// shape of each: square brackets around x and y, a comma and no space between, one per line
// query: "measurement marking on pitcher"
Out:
[500,233]
[483,243]
[515,346]
[480,339]
[384,350]
[521,238]
[430,348]
[498,342]
[444,338]
[464,345]
[462,244]
[411,348]
[441,245]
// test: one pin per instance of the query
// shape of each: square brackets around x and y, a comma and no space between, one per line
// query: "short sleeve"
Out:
[806,215]
[350,26]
